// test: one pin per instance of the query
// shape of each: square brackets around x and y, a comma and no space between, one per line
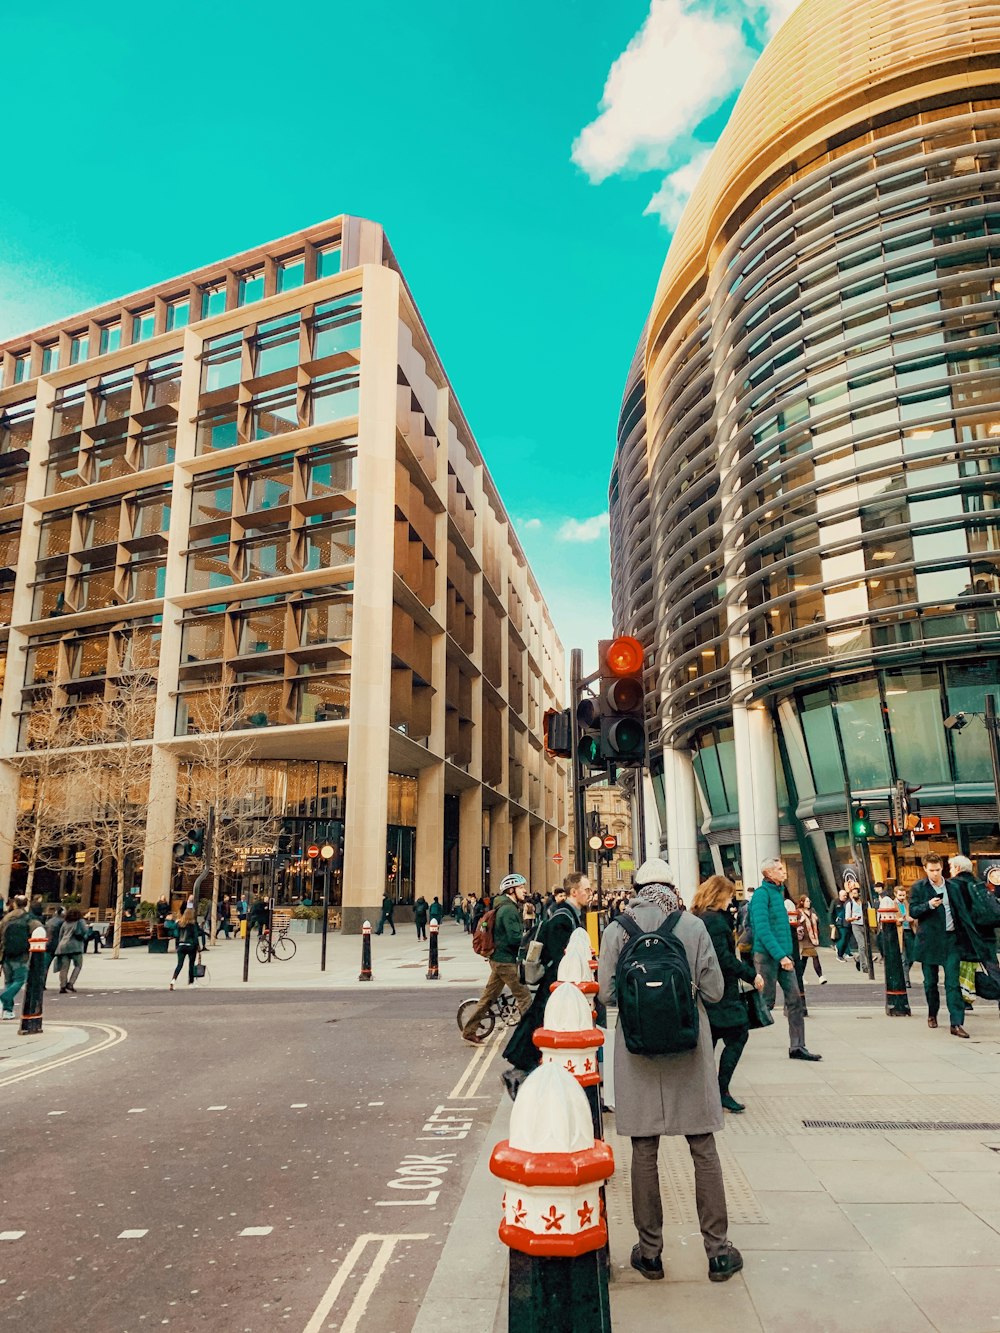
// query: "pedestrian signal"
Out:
[860,823]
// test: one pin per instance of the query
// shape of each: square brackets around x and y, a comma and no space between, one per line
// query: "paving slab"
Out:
[792,1293]
[938,1235]
[899,1179]
[951,1301]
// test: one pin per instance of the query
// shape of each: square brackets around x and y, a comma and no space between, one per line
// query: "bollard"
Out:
[569,1038]
[366,952]
[433,973]
[34,987]
[554,1221]
[897,1004]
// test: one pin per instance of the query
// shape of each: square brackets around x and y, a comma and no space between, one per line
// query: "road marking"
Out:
[360,1302]
[298,1106]
[113,1035]
[57,1113]
[11,1235]
[136,1110]
[256,1231]
[370,1104]
[218,1108]
[477,1081]
[482,1055]
[133,1235]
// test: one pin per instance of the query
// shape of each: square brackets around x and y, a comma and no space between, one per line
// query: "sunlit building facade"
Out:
[804,518]
[260,474]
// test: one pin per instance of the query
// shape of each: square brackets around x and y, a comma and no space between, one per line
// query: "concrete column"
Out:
[537,877]
[682,819]
[756,788]
[10,787]
[429,876]
[499,843]
[161,820]
[371,646]
[522,845]
[470,841]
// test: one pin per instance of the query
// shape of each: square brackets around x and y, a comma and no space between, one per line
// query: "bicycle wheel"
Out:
[284,948]
[262,950]
[486,1024]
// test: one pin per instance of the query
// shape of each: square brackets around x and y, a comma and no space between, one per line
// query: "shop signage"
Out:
[929,827]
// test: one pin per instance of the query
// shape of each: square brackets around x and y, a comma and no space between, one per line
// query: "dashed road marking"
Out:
[480,1057]
[57,1113]
[218,1108]
[136,1110]
[370,1104]
[133,1235]
[256,1231]
[11,1235]
[298,1106]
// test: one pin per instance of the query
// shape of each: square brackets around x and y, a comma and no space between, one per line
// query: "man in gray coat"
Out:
[671,1094]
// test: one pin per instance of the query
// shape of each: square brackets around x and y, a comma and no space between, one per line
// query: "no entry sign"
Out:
[312,849]
[557,857]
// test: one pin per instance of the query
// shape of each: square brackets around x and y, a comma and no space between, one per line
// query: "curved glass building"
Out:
[804,525]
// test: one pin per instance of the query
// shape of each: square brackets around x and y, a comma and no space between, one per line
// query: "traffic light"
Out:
[861,823]
[588,721]
[557,732]
[623,725]
[195,840]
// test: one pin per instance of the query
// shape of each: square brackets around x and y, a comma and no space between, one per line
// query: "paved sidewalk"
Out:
[885,1229]
[18,1053]
[397,960]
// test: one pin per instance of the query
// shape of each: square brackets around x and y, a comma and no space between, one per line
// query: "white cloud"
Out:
[583,529]
[530,524]
[680,66]
[669,200]
[685,62]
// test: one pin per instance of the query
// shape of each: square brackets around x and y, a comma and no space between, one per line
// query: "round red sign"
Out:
[610,842]
[313,850]
[557,857]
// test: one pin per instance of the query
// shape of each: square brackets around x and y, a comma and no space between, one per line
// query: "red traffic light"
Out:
[624,656]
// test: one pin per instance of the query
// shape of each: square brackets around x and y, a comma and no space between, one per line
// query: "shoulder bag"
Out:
[758,1013]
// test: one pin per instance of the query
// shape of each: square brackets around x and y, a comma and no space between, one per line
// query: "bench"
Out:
[136,932]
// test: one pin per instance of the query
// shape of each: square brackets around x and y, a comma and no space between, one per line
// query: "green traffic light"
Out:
[590,751]
[626,737]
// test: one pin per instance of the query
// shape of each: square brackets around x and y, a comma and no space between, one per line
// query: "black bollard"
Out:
[897,1002]
[366,952]
[433,974]
[34,987]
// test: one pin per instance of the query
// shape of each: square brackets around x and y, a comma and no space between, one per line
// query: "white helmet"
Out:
[510,882]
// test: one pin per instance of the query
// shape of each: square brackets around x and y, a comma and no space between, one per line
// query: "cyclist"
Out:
[507,930]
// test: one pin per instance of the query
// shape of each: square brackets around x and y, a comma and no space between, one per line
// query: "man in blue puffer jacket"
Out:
[772,953]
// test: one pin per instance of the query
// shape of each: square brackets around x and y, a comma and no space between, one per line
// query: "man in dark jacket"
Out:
[503,961]
[52,928]
[386,919]
[946,937]
[772,953]
[15,932]
[553,934]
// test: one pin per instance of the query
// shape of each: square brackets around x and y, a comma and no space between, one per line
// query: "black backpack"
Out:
[657,1000]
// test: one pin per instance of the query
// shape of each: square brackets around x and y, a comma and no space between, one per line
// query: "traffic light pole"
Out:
[579,802]
[992,722]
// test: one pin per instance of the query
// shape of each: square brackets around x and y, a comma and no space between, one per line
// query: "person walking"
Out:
[896,902]
[728,1016]
[93,933]
[436,912]
[946,936]
[53,928]
[808,936]
[257,915]
[386,918]
[772,953]
[69,950]
[420,917]
[553,935]
[224,920]
[503,960]
[842,934]
[671,1094]
[854,920]
[15,932]
[188,946]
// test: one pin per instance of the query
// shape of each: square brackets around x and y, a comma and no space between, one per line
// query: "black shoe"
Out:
[724,1266]
[63,990]
[800,1053]
[731,1104]
[512,1080]
[652,1268]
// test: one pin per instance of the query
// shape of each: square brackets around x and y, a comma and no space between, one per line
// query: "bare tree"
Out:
[45,768]
[223,779]
[112,763]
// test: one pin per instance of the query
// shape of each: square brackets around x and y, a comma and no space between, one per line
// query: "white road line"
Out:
[474,1071]
[136,1110]
[113,1035]
[11,1235]
[370,1104]
[256,1231]
[477,1055]
[298,1106]
[218,1108]
[133,1235]
[57,1113]
[344,1272]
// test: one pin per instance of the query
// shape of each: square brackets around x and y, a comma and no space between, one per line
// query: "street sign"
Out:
[312,850]
[326,851]
[595,843]
[929,827]
[609,842]
[557,857]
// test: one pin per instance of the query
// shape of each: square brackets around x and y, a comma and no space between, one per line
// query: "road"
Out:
[241,1163]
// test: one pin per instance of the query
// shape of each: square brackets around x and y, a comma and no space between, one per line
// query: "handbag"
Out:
[758,1013]
[200,970]
[987,981]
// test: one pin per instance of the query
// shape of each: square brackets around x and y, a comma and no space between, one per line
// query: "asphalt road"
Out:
[241,1163]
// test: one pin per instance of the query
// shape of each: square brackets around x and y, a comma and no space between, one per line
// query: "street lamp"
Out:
[989,719]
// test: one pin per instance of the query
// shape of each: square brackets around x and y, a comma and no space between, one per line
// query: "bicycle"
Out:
[504,1007]
[281,947]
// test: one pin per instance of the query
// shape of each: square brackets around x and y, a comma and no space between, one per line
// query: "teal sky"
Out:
[157,139]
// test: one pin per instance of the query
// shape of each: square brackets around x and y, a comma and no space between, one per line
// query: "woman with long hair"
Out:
[728,1019]
[808,935]
[188,946]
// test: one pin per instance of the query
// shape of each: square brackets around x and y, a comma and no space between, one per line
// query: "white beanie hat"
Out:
[654,871]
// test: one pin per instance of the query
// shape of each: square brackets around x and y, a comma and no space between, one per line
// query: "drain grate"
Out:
[978,1126]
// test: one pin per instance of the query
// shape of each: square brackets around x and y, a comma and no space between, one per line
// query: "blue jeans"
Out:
[15,974]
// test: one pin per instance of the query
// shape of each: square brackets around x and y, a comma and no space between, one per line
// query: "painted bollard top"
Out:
[568,1036]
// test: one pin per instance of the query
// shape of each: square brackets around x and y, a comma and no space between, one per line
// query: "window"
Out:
[221,362]
[270,486]
[862,733]
[337,326]
[178,314]
[143,325]
[161,383]
[217,430]
[327,261]
[816,715]
[276,346]
[50,358]
[919,740]
[111,337]
[333,398]
[291,273]
[79,348]
[67,415]
[22,364]
[114,396]
[274,413]
[213,300]
[251,287]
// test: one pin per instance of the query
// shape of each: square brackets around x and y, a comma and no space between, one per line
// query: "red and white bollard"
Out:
[568,1037]
[366,952]
[433,972]
[34,986]
[554,1221]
